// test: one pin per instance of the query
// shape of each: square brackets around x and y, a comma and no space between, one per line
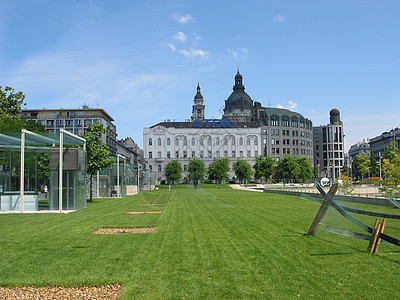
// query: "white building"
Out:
[245,131]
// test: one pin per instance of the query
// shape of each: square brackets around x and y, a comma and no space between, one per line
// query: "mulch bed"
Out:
[124,230]
[108,292]
[144,212]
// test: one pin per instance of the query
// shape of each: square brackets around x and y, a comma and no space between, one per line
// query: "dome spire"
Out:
[238,82]
[198,95]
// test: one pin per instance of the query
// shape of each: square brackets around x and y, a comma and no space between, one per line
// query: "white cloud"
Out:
[195,52]
[180,36]
[183,19]
[172,46]
[279,19]
[292,105]
[196,36]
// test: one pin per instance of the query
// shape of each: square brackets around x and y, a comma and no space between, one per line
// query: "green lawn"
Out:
[209,244]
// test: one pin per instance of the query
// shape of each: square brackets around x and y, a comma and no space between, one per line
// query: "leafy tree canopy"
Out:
[391,171]
[10,101]
[197,169]
[361,165]
[263,167]
[218,170]
[242,170]
[98,154]
[288,168]
[173,171]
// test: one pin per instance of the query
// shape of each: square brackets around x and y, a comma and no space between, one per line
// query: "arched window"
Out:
[185,141]
[176,141]
[193,142]
[274,120]
[241,141]
[255,141]
[150,142]
[209,141]
[217,142]
[159,142]
[233,141]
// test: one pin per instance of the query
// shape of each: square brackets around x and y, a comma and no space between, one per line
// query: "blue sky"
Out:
[141,60]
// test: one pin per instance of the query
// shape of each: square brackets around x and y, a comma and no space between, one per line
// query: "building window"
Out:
[150,142]
[201,154]
[248,142]
[256,141]
[184,168]
[241,141]
[159,142]
[184,154]
[78,123]
[176,154]
[218,155]
[233,154]
[201,142]
[248,153]
[87,123]
[209,142]
[159,168]
[233,141]
[150,154]
[225,141]
[159,154]
[59,123]
[150,167]
[193,154]
[193,142]
[225,153]
[241,154]
[209,154]
[256,153]
[168,141]
[69,123]
[217,142]
[176,142]
[185,141]
[168,154]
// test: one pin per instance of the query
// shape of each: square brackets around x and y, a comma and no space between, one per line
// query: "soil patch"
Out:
[100,293]
[124,230]
[144,212]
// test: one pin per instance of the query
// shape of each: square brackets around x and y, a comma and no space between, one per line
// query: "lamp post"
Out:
[138,178]
[380,168]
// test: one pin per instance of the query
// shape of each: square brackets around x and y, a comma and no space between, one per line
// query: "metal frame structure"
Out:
[47,141]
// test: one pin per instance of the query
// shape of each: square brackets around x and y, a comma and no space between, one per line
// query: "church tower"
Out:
[198,111]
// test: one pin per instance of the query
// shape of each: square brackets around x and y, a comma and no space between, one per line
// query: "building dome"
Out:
[335,117]
[334,112]
[239,98]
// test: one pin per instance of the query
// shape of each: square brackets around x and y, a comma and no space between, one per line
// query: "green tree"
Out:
[374,165]
[11,102]
[242,170]
[197,169]
[173,171]
[98,154]
[345,183]
[263,167]
[306,170]
[391,151]
[361,165]
[218,170]
[10,107]
[391,171]
[288,169]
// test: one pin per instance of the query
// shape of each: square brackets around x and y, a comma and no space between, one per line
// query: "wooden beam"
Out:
[322,210]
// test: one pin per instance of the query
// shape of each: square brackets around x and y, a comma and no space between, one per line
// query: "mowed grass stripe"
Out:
[210,243]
